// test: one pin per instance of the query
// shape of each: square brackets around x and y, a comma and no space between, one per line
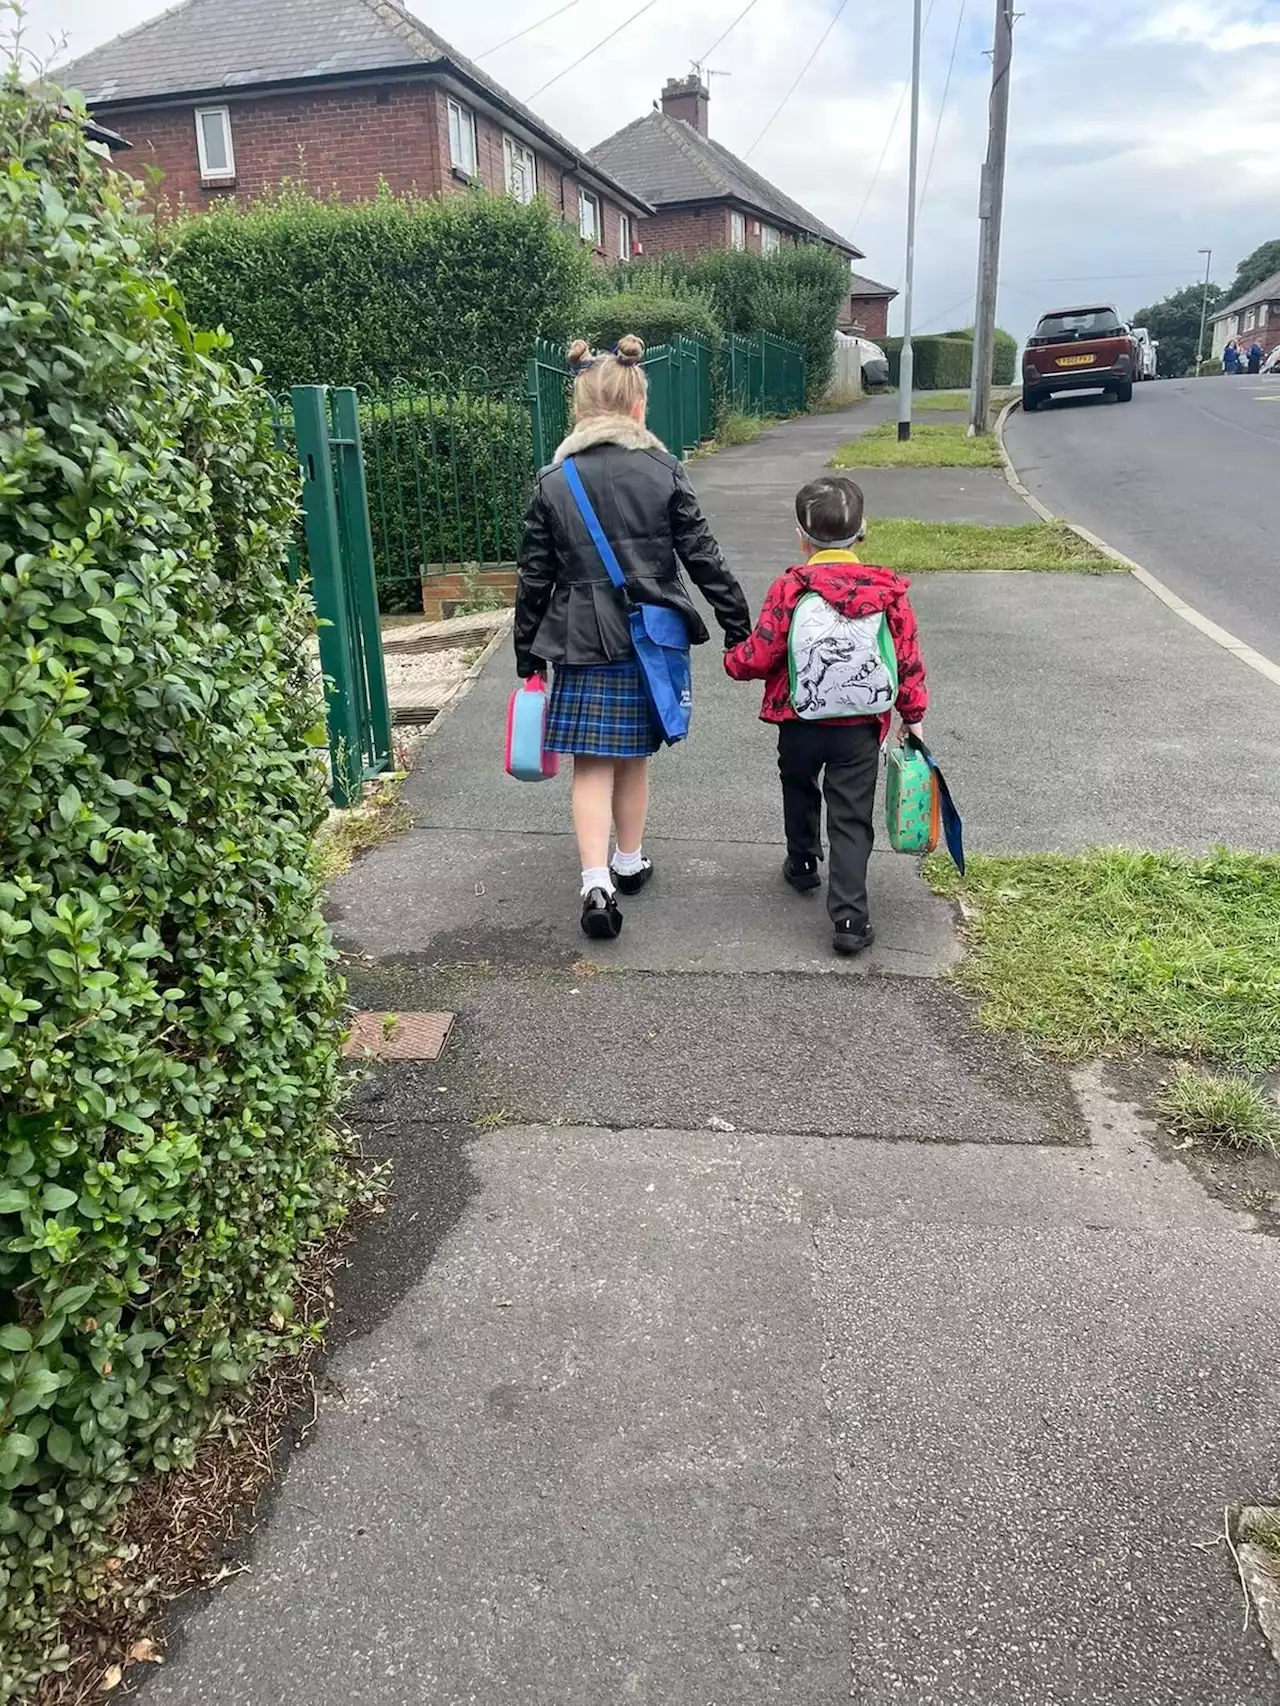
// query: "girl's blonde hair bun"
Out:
[630,350]
[579,351]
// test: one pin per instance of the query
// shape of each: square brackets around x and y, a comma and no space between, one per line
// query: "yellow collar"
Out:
[842,556]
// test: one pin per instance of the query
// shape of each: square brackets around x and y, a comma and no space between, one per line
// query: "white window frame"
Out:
[1250,319]
[466,132]
[212,174]
[737,230]
[590,217]
[770,239]
[515,158]
[626,237]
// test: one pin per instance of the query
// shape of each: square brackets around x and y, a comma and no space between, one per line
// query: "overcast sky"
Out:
[1141,130]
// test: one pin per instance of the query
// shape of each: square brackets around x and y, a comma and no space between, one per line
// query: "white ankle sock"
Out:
[628,864]
[596,877]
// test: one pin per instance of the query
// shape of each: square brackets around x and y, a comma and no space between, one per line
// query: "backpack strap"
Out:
[608,556]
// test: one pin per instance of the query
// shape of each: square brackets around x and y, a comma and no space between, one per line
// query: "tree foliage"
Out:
[1255,268]
[168,1018]
[1174,322]
[331,293]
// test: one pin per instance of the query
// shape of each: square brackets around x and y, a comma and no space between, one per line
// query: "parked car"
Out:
[1147,347]
[1079,349]
[875,363]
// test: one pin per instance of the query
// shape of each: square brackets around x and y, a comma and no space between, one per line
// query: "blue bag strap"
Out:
[608,556]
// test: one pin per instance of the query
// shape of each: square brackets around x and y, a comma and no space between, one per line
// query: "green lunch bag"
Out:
[911,802]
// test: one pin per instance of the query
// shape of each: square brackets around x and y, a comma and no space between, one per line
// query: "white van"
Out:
[1147,348]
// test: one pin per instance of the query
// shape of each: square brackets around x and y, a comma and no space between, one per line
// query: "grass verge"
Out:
[350,833]
[943,446]
[914,547]
[1224,1112]
[1108,951]
[952,400]
[733,429]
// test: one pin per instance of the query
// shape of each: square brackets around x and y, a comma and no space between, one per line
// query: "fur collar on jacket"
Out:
[608,429]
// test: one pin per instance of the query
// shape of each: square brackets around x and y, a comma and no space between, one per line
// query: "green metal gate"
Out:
[335,508]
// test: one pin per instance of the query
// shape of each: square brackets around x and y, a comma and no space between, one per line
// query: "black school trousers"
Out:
[846,756]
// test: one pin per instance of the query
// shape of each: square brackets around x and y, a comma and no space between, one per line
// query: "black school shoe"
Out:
[633,883]
[802,874]
[601,919]
[847,940]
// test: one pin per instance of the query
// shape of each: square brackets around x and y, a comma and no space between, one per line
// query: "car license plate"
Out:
[1076,360]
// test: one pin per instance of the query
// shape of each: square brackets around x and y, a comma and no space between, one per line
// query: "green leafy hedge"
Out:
[1004,361]
[168,1018]
[655,319]
[448,479]
[338,294]
[939,363]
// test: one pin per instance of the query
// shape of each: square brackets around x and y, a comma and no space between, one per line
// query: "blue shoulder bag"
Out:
[659,635]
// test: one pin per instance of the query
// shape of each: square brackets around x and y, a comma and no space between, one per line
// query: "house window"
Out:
[462,138]
[1250,319]
[737,230]
[625,239]
[589,227]
[769,239]
[213,142]
[520,170]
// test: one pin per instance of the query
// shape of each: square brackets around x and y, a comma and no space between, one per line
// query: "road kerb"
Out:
[1252,659]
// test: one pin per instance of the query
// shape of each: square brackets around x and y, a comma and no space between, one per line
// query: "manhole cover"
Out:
[398,1036]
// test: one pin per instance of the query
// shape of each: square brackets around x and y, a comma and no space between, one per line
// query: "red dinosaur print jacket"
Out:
[856,589]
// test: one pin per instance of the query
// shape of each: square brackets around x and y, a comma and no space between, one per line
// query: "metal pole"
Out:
[1204,309]
[906,365]
[990,214]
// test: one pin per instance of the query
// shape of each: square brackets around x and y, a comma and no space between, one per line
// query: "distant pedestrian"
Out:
[1256,353]
[1231,357]
[834,668]
[569,614]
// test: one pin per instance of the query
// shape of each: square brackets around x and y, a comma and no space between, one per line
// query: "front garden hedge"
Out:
[333,293]
[169,1021]
[654,319]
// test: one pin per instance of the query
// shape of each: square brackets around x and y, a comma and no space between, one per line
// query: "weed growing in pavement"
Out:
[915,547]
[347,834]
[943,446]
[1107,951]
[1226,1112]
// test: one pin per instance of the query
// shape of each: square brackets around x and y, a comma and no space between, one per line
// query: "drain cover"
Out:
[398,1036]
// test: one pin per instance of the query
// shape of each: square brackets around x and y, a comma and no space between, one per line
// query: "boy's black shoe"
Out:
[848,940]
[600,916]
[802,874]
[633,883]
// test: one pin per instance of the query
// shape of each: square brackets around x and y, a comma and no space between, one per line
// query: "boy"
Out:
[840,666]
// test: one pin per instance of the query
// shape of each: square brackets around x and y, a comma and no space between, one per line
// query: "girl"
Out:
[569,614]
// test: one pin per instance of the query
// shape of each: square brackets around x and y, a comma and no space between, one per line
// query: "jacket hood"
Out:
[621,430]
[855,589]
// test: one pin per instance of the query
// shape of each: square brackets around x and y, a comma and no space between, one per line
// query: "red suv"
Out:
[1078,349]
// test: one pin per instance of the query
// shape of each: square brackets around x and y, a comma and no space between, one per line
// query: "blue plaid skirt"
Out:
[601,711]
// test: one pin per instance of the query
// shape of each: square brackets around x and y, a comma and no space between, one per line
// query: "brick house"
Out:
[1256,314]
[867,310]
[703,196]
[238,96]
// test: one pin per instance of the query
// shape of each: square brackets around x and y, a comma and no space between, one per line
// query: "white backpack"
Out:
[841,666]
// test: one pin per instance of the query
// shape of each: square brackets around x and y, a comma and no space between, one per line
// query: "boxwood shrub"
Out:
[655,319]
[449,477]
[169,1021]
[940,363]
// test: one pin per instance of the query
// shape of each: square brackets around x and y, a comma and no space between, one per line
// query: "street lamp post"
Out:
[1204,308]
[906,361]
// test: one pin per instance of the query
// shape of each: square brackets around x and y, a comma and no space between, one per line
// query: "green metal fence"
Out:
[764,375]
[681,400]
[339,553]
[548,383]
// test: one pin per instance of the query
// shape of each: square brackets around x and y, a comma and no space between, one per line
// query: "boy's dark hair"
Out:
[829,509]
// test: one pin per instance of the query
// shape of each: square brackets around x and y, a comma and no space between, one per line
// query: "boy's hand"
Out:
[916,729]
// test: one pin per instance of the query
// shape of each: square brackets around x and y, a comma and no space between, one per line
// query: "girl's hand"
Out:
[916,729]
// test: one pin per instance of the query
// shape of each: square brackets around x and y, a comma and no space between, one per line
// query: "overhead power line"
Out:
[791,91]
[946,90]
[893,125]
[603,42]
[725,34]
[527,31]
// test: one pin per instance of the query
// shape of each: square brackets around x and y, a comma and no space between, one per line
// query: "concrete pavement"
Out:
[1182,479]
[746,1329]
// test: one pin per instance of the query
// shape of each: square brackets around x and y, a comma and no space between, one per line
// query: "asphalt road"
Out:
[1182,479]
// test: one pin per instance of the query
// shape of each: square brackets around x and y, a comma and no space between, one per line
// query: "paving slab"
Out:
[699,1418]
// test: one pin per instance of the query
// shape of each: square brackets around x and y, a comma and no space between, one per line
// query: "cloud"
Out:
[1139,133]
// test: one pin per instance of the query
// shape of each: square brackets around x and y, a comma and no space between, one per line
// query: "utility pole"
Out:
[990,214]
[1204,308]
[906,362]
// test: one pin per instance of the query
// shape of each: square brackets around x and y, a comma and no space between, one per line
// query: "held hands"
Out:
[905,729]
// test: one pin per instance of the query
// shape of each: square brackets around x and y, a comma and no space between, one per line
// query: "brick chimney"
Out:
[687,98]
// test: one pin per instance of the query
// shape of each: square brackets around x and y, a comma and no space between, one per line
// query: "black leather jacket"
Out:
[567,609]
